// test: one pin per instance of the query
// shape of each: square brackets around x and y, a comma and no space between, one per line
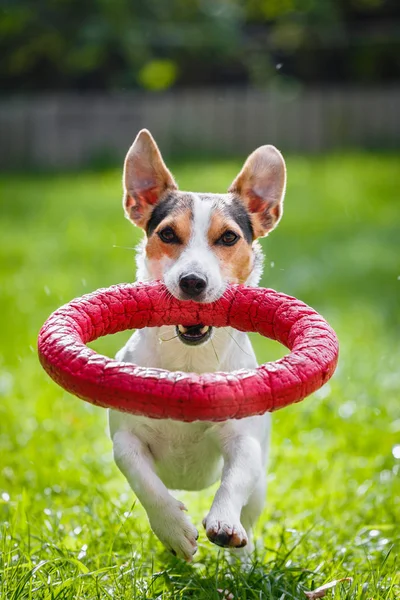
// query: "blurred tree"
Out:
[124,44]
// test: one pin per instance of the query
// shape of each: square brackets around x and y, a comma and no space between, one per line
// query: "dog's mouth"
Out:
[194,335]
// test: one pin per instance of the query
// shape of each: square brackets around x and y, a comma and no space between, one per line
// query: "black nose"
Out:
[192,285]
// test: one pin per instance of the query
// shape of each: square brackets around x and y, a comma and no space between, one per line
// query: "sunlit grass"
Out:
[71,527]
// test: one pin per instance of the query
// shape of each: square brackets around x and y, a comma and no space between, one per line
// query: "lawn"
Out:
[71,528]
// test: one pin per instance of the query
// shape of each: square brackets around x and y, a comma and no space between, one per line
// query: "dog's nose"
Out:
[192,285]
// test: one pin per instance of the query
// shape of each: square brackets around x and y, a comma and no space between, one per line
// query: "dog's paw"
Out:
[225,533]
[174,529]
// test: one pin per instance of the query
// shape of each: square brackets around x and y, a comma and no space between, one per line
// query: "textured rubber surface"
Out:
[181,396]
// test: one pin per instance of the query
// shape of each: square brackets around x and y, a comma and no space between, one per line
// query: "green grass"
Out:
[71,527]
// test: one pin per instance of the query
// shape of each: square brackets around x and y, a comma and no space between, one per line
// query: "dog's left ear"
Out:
[261,187]
[146,178]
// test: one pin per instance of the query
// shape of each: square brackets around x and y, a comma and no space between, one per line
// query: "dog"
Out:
[197,244]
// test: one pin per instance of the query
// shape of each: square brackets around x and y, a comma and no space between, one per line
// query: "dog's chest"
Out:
[186,455]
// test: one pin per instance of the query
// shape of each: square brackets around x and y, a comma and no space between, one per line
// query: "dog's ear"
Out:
[145,180]
[261,187]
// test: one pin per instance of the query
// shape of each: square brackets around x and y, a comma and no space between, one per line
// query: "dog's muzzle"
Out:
[194,335]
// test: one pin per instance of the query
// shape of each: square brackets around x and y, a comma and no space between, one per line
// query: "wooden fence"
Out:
[70,130]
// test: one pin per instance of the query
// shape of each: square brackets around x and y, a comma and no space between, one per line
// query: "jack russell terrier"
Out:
[197,244]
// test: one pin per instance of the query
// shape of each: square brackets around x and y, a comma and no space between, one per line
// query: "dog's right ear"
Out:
[145,180]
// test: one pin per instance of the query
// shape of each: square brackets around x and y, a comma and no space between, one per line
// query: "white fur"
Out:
[197,257]
[161,455]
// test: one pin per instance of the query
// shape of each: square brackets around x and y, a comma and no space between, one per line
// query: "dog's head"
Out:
[198,243]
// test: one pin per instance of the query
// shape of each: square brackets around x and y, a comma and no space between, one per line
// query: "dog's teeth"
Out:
[204,329]
[182,329]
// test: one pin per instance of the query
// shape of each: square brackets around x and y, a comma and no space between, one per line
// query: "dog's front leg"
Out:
[165,513]
[242,476]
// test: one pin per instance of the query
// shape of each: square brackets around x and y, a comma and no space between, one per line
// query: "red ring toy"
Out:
[158,393]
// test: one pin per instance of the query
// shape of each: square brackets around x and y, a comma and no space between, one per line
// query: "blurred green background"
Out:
[211,80]
[334,492]
[98,44]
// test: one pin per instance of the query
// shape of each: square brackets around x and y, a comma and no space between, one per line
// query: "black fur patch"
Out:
[160,211]
[239,214]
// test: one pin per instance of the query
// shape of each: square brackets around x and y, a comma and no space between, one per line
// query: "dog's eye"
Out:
[168,236]
[229,238]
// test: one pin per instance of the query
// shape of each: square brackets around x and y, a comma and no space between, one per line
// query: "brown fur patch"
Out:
[237,260]
[181,222]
